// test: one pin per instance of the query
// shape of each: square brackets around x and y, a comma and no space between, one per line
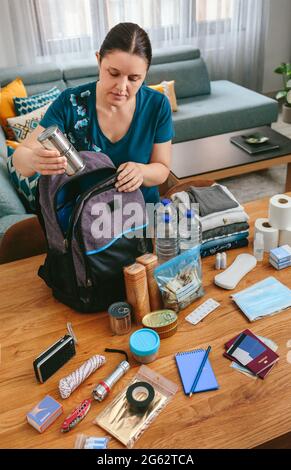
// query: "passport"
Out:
[249,351]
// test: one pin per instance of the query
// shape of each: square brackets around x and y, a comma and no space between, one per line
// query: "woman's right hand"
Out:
[46,162]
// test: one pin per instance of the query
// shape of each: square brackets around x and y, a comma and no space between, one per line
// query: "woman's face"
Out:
[120,76]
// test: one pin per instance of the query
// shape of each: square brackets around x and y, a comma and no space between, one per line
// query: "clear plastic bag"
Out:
[127,424]
[180,279]
[91,442]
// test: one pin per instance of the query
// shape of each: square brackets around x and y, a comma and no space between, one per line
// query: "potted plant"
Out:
[285,70]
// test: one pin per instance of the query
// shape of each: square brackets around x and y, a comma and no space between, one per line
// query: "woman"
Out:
[118,116]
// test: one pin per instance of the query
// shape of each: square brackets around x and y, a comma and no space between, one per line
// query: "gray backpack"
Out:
[86,254]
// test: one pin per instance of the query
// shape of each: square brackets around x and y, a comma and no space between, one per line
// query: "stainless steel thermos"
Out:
[52,138]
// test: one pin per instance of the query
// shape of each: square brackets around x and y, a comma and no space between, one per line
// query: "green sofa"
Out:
[205,108]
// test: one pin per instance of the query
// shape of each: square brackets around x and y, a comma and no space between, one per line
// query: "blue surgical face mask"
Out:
[263,298]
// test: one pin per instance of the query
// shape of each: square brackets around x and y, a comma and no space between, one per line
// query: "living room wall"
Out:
[277,43]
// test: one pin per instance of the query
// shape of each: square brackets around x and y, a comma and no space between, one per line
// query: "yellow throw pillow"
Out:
[7,110]
[168,89]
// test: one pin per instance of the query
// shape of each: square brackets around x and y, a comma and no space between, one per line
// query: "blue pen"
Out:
[203,362]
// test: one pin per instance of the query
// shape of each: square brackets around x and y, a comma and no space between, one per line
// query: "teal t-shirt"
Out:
[74,112]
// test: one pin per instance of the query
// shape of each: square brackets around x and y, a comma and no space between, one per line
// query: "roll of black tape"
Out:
[140,388]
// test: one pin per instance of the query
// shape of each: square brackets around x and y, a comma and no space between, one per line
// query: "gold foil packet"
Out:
[127,425]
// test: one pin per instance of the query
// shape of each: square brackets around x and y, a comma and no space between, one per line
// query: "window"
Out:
[63,27]
[213,10]
[80,25]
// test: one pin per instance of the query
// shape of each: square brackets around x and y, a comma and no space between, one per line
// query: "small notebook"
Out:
[188,364]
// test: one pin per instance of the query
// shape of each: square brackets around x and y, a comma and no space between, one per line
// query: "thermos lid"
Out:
[144,342]
[47,133]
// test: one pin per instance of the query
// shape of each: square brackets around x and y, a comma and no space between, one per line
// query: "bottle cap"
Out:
[165,201]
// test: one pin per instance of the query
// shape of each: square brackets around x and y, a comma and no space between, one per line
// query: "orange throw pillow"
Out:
[7,93]
[168,89]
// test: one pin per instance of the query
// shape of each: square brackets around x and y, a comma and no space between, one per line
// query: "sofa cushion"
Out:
[10,204]
[230,107]
[25,186]
[36,78]
[31,74]
[26,123]
[81,69]
[191,77]
[174,54]
[3,147]
[14,88]
[168,89]
[31,103]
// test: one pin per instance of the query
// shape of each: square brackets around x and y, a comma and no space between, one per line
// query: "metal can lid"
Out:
[119,309]
[159,319]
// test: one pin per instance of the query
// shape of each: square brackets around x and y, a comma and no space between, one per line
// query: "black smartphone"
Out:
[50,360]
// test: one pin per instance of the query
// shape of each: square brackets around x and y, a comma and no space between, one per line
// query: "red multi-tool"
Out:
[77,415]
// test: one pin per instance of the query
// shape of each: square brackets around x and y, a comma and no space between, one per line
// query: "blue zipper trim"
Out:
[93,252]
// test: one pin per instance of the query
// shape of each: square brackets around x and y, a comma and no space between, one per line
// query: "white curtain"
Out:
[229,33]
[18,32]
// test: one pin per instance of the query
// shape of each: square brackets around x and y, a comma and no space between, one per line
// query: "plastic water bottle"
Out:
[165,206]
[190,231]
[166,231]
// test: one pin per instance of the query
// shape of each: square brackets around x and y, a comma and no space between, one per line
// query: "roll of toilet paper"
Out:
[270,234]
[280,211]
[285,237]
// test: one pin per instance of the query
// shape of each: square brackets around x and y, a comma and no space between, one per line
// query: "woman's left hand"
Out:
[130,177]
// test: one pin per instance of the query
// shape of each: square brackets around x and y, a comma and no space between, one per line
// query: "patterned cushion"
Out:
[7,110]
[23,125]
[25,186]
[26,105]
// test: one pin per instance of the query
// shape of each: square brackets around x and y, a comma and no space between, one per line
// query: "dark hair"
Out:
[127,37]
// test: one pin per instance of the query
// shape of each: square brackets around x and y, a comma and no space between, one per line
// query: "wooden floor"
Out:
[243,413]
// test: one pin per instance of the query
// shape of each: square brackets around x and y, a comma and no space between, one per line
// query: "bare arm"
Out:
[31,157]
[156,172]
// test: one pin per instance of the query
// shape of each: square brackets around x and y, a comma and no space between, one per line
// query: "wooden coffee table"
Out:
[216,157]
[243,413]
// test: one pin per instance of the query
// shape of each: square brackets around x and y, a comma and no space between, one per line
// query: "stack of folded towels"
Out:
[224,222]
